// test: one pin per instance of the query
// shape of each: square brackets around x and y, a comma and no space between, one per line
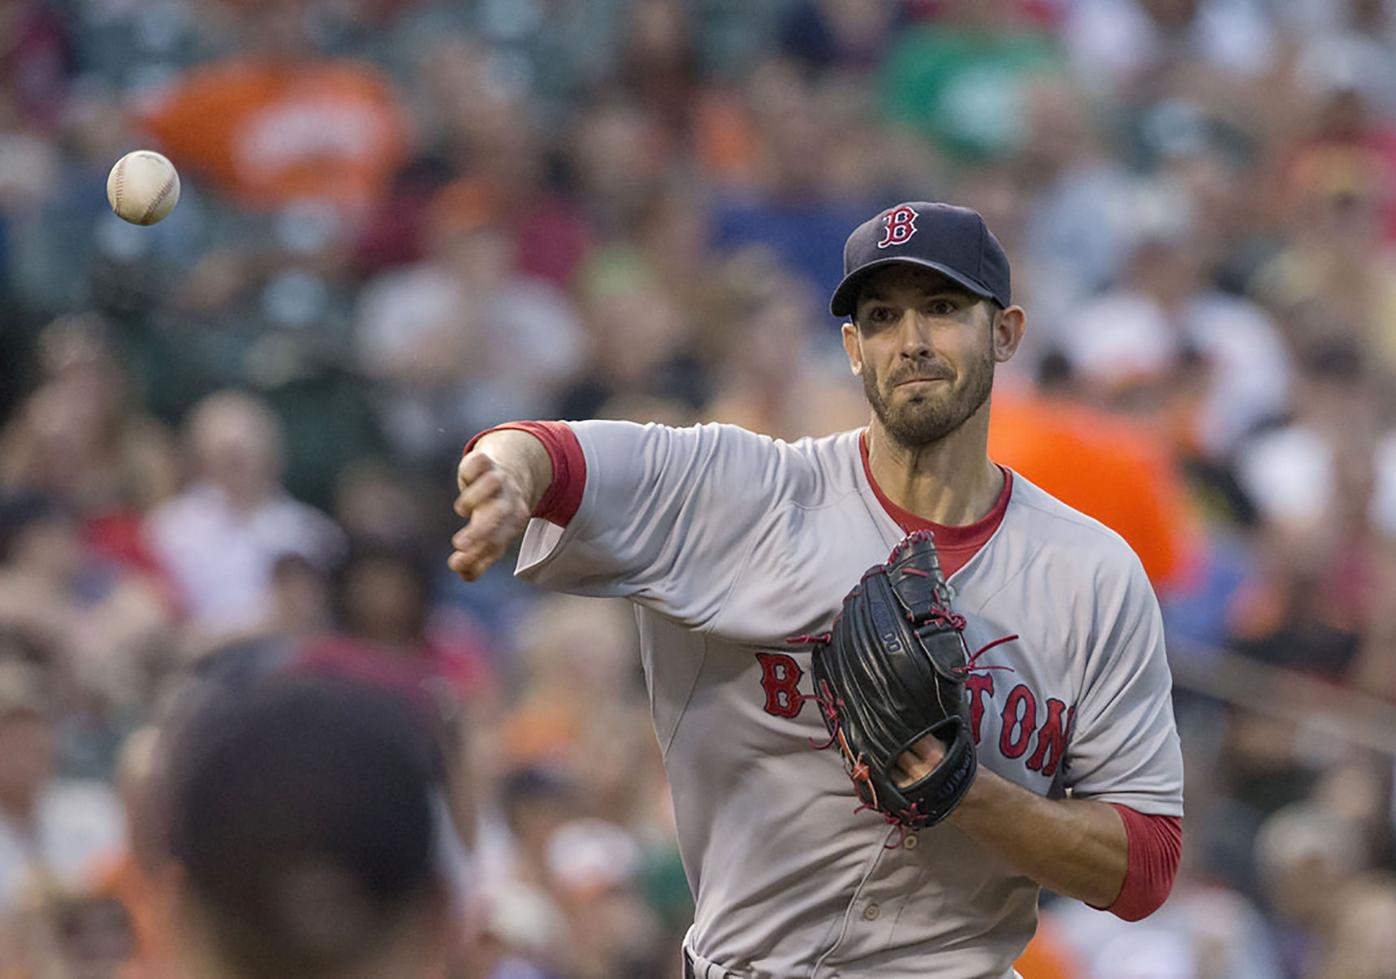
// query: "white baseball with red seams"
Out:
[143,187]
[728,542]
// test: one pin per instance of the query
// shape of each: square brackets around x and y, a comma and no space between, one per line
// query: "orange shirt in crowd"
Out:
[1105,466]
[1046,957]
[267,133]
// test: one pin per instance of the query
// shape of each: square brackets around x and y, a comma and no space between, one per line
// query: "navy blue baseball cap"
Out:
[953,241]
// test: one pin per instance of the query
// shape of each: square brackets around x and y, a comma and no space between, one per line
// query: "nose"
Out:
[915,335]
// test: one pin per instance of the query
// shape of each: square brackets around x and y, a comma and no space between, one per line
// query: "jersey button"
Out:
[911,842]
[871,912]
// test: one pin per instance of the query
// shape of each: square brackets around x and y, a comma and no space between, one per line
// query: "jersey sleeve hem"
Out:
[545,541]
[1155,849]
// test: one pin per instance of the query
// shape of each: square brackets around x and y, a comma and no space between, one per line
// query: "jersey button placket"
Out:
[873,911]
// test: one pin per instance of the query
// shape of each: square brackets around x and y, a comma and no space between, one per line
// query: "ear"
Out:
[1008,329]
[853,348]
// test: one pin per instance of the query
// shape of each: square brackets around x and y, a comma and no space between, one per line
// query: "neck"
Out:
[950,482]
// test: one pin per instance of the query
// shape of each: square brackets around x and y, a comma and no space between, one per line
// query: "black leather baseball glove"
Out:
[891,672]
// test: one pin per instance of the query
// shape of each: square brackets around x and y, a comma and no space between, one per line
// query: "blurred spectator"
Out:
[1313,481]
[770,377]
[462,340]
[828,35]
[377,501]
[54,832]
[1362,945]
[1105,466]
[658,61]
[382,599]
[1200,933]
[1127,41]
[522,931]
[521,924]
[808,192]
[1046,956]
[1078,196]
[98,624]
[1347,48]
[280,809]
[1375,670]
[577,661]
[83,437]
[1305,856]
[619,153]
[390,636]
[280,122]
[1335,279]
[592,866]
[1140,336]
[220,538]
[962,80]
[641,337]
[35,60]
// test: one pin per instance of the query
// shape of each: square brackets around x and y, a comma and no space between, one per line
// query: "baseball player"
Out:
[730,543]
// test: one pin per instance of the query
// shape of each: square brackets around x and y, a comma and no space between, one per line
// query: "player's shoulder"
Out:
[1061,532]
[813,470]
[806,469]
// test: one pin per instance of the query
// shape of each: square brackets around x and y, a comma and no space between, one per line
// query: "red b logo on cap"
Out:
[901,225]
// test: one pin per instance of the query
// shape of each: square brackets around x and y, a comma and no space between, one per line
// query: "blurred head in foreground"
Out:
[302,830]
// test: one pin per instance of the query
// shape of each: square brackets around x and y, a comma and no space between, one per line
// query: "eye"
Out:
[942,307]
[881,315]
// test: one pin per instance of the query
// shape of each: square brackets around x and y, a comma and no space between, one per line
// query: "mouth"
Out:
[914,381]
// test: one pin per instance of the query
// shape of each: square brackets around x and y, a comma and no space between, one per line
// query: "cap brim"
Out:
[845,299]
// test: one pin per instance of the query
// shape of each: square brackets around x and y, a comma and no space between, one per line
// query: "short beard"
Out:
[927,421]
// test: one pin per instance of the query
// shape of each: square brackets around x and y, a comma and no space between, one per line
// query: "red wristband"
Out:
[564,496]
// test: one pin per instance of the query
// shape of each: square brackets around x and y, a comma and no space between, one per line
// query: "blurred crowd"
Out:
[227,442]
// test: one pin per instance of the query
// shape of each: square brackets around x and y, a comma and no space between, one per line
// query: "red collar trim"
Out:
[968,535]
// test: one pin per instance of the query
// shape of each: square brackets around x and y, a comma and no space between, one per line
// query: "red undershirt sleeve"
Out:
[564,496]
[1155,848]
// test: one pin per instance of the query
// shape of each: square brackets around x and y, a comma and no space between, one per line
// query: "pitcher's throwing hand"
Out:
[496,507]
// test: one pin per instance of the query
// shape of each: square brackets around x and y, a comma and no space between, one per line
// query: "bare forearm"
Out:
[1074,847]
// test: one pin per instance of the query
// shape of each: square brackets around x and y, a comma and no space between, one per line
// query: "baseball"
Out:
[143,187]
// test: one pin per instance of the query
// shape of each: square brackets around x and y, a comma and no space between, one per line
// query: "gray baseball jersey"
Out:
[728,543]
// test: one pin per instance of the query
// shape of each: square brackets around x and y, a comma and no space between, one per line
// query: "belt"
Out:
[697,967]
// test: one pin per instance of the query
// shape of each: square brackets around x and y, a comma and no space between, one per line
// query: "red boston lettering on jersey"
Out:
[1052,737]
[1020,715]
[900,225]
[780,678]
[978,684]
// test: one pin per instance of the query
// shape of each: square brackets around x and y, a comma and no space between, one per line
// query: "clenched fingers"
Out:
[918,761]
[485,488]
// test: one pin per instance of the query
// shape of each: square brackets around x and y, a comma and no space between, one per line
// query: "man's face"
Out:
[924,349]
